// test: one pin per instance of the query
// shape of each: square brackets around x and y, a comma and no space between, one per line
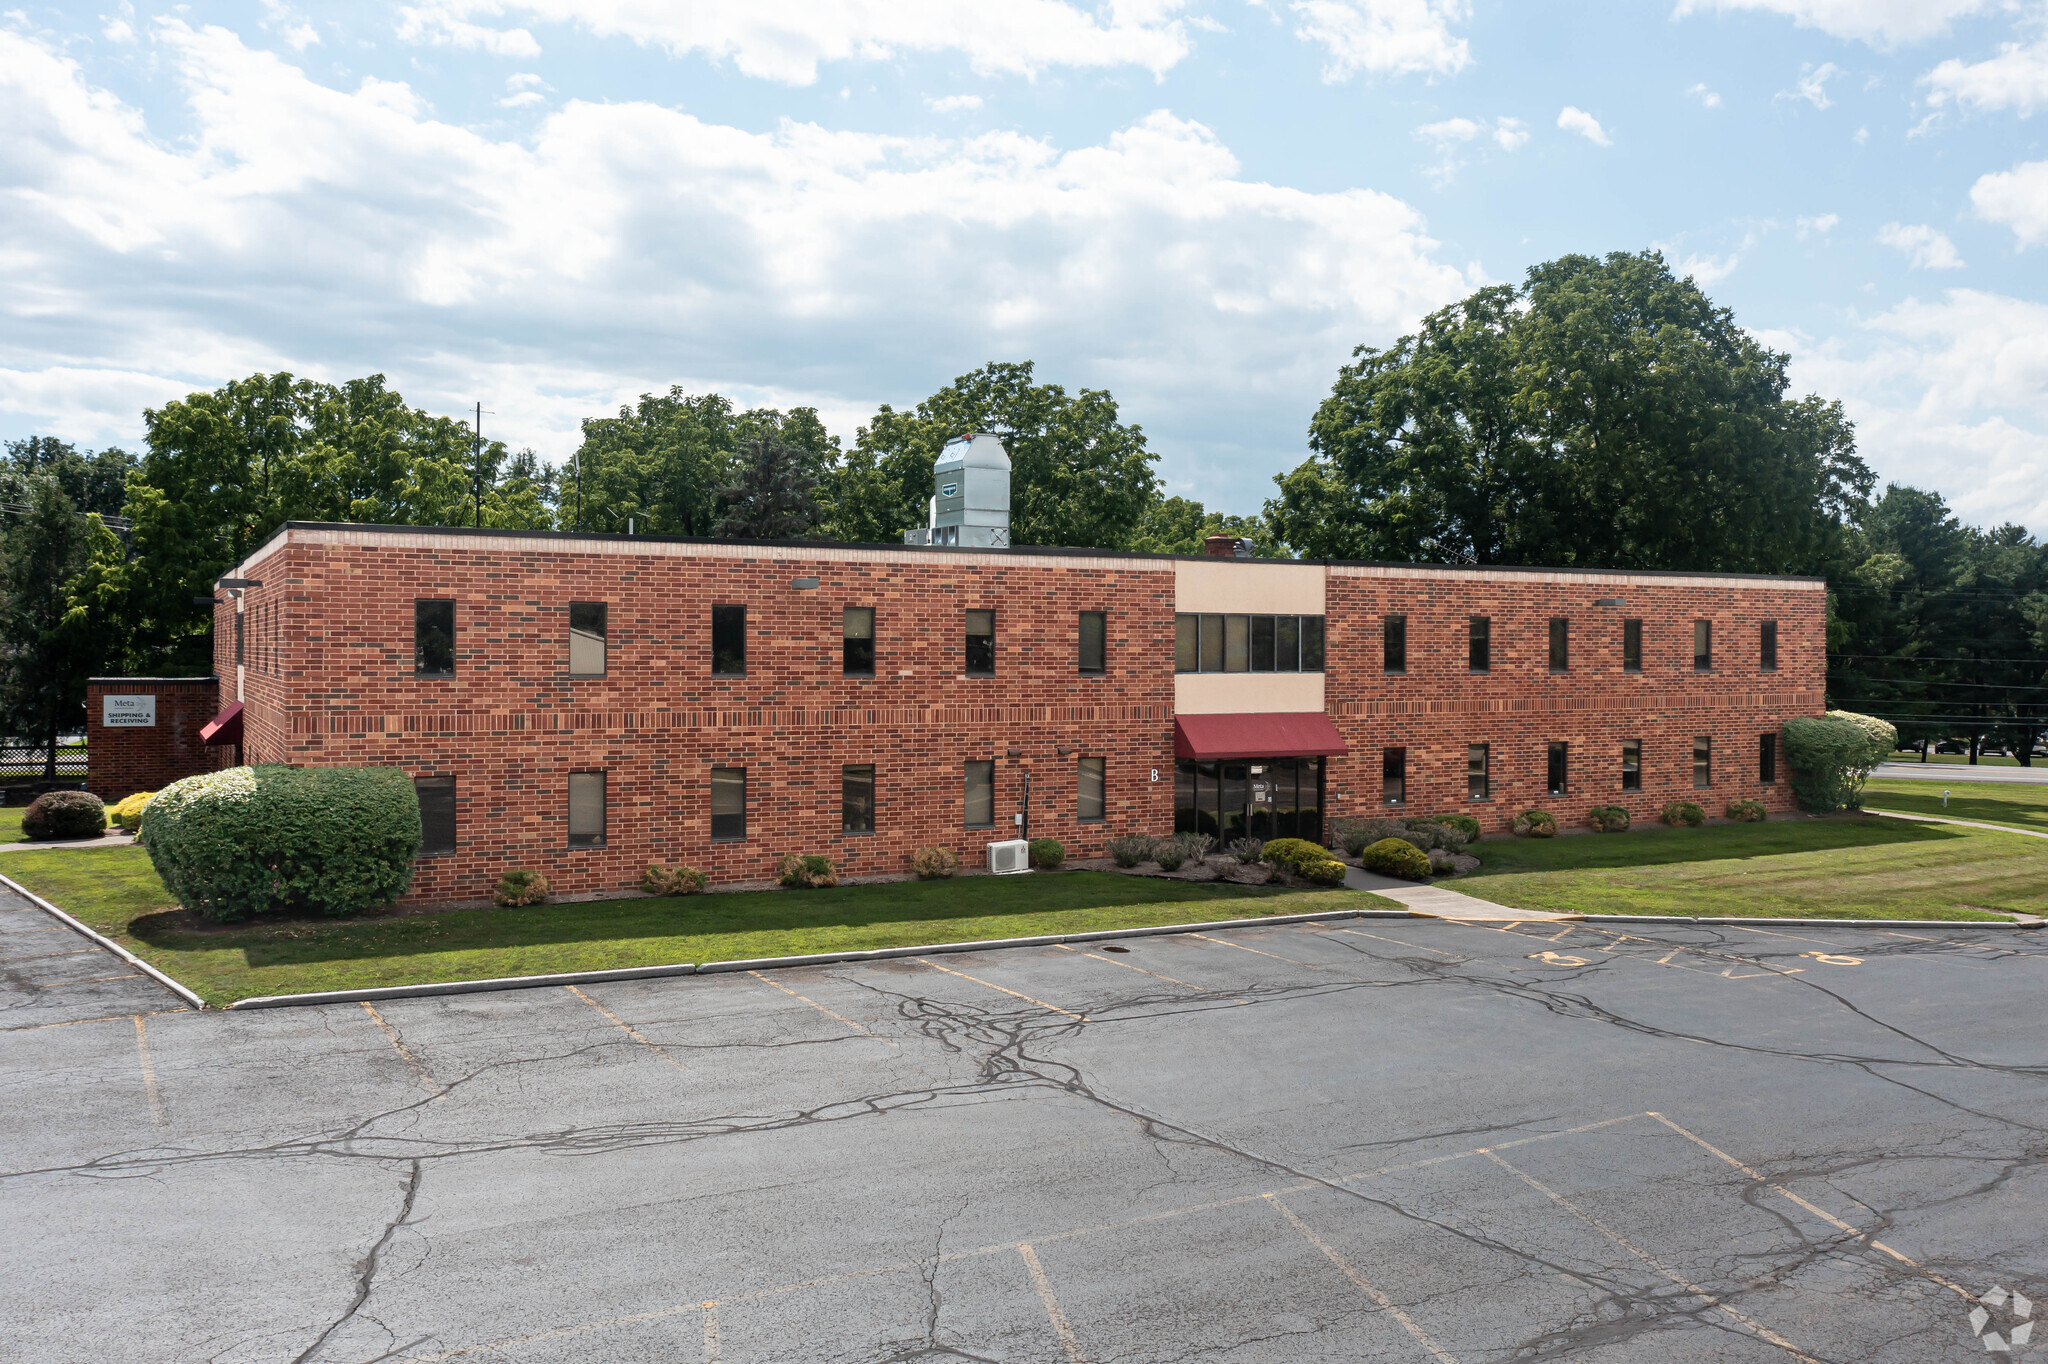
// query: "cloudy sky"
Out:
[1201,205]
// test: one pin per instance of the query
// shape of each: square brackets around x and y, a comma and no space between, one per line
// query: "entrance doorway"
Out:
[1249,797]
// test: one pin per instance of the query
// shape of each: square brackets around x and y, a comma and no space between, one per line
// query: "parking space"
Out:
[1373,1139]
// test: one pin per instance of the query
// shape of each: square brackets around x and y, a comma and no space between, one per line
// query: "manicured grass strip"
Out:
[116,892]
[1850,867]
[2022,807]
[10,825]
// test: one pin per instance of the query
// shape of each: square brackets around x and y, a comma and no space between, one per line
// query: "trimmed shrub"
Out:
[1464,824]
[249,839]
[127,812]
[1248,850]
[1396,857]
[1356,835]
[1609,819]
[934,864]
[1746,811]
[1309,861]
[659,880]
[1047,853]
[1684,812]
[1169,853]
[1448,837]
[807,872]
[1128,850]
[64,814]
[519,888]
[1831,755]
[1534,824]
[1197,846]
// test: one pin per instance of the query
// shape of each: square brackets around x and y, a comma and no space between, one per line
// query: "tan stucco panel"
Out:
[1247,693]
[1248,586]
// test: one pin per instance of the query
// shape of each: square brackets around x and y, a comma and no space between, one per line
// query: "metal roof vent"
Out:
[970,505]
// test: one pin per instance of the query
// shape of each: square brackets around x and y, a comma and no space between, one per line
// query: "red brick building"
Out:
[143,733]
[586,704]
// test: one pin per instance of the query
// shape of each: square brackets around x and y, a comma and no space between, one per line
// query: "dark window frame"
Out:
[713,785]
[855,660]
[1767,647]
[422,642]
[967,774]
[978,659]
[588,840]
[1557,768]
[239,631]
[438,781]
[1560,644]
[1187,642]
[1631,764]
[723,618]
[1479,644]
[1767,759]
[1263,650]
[1484,772]
[1702,762]
[1101,815]
[1703,646]
[603,636]
[851,775]
[1394,644]
[1632,646]
[1394,775]
[1098,665]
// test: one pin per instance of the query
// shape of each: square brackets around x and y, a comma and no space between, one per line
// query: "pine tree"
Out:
[774,498]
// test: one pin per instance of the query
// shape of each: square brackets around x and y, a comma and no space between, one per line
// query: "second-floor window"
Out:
[1237,644]
[1479,644]
[1767,646]
[433,638]
[981,644]
[1702,646]
[728,641]
[1631,646]
[1560,644]
[586,639]
[1094,639]
[1394,644]
[857,641]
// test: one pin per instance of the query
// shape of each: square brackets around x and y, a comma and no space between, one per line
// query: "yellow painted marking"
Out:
[103,1018]
[816,1005]
[391,1035]
[1052,1304]
[156,1102]
[1831,959]
[1727,973]
[1762,1331]
[711,1350]
[95,980]
[1822,1213]
[1669,955]
[625,1027]
[1572,929]
[1385,1303]
[1557,959]
[1015,994]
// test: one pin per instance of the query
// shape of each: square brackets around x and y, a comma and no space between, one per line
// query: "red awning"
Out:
[224,728]
[1297,735]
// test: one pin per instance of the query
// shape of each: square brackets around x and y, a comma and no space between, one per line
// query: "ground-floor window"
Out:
[728,803]
[1478,772]
[1702,760]
[1767,759]
[1088,804]
[857,798]
[980,795]
[437,815]
[1560,757]
[1255,798]
[586,809]
[1631,764]
[1394,776]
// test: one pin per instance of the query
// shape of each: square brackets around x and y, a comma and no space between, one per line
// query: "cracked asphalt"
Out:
[1371,1140]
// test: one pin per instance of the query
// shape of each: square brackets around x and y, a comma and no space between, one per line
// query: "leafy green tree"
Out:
[1079,475]
[1604,414]
[772,500]
[45,656]
[93,482]
[1181,525]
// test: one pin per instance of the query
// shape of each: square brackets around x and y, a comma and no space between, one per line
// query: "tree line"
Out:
[1602,414]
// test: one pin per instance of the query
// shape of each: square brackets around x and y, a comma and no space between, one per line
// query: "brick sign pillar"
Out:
[142,733]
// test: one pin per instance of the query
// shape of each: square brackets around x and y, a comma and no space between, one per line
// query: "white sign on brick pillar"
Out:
[128,712]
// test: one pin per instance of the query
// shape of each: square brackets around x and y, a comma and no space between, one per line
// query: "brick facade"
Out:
[122,760]
[327,675]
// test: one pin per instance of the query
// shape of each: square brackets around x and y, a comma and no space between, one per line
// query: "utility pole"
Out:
[479,480]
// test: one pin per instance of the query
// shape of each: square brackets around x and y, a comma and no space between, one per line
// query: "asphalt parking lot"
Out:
[1379,1140]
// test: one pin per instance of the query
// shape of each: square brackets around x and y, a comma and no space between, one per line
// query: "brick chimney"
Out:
[1220,546]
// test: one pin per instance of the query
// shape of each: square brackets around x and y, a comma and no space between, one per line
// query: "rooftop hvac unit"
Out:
[1009,857]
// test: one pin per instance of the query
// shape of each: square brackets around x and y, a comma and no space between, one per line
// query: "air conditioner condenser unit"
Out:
[1009,857]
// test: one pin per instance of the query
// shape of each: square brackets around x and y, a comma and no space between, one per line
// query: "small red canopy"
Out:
[224,728]
[1290,735]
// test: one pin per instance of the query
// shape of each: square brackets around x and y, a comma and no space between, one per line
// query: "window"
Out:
[1631,764]
[1237,644]
[1702,760]
[437,815]
[857,641]
[1631,646]
[981,644]
[1767,647]
[586,638]
[1311,644]
[1287,644]
[1088,804]
[1212,644]
[1477,783]
[1095,643]
[728,804]
[1560,644]
[1218,643]
[1394,644]
[586,809]
[1702,646]
[1767,759]
[728,641]
[1394,776]
[1262,644]
[981,794]
[1560,753]
[1479,646]
[433,638]
[857,799]
[238,639]
[1187,643]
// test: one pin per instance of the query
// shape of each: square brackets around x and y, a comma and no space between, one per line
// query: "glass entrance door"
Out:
[1262,797]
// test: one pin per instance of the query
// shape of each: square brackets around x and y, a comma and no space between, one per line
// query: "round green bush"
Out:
[1396,857]
[807,871]
[519,888]
[1534,824]
[1746,811]
[1128,850]
[335,840]
[64,814]
[1684,812]
[1047,853]
[1465,824]
[1830,755]
[1169,853]
[1609,819]
[1311,861]
[934,864]
[682,880]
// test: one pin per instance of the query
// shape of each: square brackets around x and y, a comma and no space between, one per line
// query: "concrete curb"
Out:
[2019,921]
[465,987]
[109,944]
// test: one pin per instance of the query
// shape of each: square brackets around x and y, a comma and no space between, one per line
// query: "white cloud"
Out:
[2017,198]
[444,25]
[522,98]
[954,103]
[118,31]
[1812,85]
[1450,130]
[619,247]
[1817,226]
[1575,120]
[786,40]
[1879,23]
[1452,134]
[1708,269]
[1385,37]
[2016,79]
[1706,97]
[1924,247]
[1510,133]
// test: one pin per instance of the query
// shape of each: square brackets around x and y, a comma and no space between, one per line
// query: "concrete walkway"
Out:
[1439,902]
[1954,773]
[1966,823]
[121,840]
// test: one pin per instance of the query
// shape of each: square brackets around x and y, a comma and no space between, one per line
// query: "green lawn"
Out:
[117,892]
[2023,807]
[10,825]
[1850,867]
